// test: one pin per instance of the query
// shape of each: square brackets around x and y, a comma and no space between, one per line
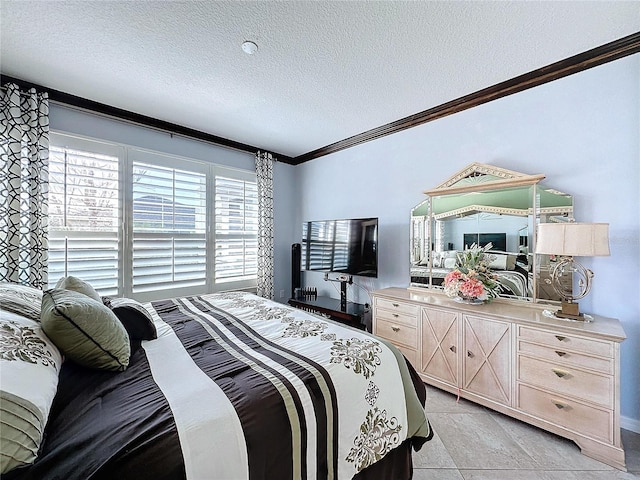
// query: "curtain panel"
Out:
[264,172]
[24,181]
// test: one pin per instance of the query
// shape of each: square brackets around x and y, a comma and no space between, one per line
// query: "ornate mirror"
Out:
[482,204]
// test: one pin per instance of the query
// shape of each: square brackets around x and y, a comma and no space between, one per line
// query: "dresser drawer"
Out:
[565,380]
[397,317]
[560,341]
[397,307]
[397,333]
[567,413]
[566,358]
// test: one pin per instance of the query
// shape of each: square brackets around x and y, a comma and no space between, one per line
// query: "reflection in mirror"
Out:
[554,207]
[506,216]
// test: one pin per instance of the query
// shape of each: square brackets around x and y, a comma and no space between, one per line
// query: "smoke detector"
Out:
[249,47]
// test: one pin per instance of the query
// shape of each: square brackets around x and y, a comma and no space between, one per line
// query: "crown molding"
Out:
[609,52]
[84,104]
[591,58]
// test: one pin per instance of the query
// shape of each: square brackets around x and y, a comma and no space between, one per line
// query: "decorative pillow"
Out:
[85,330]
[77,285]
[449,262]
[136,319]
[503,262]
[21,299]
[30,364]
[499,262]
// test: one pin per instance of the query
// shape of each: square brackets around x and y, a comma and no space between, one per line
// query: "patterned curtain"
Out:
[264,170]
[24,182]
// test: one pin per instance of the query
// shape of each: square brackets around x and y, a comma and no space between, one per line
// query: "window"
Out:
[142,224]
[169,228]
[236,219]
[84,217]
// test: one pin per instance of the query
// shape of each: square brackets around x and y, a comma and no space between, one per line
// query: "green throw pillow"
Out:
[85,330]
[77,285]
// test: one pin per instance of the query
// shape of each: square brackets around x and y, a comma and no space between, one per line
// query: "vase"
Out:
[468,300]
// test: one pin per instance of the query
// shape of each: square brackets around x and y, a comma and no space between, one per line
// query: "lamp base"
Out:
[586,318]
[570,310]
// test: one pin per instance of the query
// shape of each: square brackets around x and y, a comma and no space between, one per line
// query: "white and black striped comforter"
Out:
[235,387]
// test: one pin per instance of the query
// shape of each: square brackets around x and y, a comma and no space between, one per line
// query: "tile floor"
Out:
[472,442]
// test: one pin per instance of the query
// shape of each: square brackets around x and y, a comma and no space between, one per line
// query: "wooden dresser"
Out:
[558,375]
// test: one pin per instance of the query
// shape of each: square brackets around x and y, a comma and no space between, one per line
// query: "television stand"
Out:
[353,314]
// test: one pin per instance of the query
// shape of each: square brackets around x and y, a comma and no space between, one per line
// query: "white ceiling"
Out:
[324,70]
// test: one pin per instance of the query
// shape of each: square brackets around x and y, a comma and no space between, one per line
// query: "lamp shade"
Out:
[573,239]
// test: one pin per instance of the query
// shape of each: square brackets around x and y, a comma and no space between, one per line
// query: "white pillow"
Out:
[30,364]
[499,262]
[503,262]
[449,262]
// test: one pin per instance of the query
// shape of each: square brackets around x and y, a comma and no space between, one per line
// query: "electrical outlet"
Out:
[281,293]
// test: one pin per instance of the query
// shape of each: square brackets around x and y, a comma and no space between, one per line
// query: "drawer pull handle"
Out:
[395,304]
[395,315]
[559,373]
[453,348]
[395,329]
[469,354]
[560,338]
[560,405]
[561,354]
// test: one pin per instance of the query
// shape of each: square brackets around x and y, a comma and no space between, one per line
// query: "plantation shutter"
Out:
[169,228]
[328,245]
[84,217]
[137,223]
[236,228]
[341,252]
[317,237]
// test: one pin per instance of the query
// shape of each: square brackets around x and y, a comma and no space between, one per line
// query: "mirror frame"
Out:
[463,182]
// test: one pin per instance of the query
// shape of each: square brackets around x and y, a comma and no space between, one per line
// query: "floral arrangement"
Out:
[472,279]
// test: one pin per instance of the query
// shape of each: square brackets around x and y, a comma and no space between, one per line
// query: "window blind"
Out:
[236,221]
[84,217]
[169,228]
[148,225]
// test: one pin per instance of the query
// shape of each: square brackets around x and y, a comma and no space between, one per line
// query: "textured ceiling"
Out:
[324,70]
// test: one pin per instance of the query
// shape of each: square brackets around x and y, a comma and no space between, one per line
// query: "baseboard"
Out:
[630,424]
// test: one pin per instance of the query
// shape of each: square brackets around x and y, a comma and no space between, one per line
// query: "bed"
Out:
[233,386]
[514,282]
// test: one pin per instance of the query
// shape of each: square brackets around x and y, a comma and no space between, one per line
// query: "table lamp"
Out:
[568,240]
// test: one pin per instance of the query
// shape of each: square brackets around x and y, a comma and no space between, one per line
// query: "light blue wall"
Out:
[582,132]
[68,120]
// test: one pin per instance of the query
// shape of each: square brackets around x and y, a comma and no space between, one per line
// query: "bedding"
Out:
[514,282]
[22,300]
[85,330]
[238,387]
[77,285]
[29,363]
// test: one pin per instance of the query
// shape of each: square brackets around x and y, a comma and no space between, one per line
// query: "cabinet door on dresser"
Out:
[488,358]
[397,322]
[439,355]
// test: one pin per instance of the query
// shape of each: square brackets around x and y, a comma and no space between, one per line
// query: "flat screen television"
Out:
[499,240]
[341,246]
